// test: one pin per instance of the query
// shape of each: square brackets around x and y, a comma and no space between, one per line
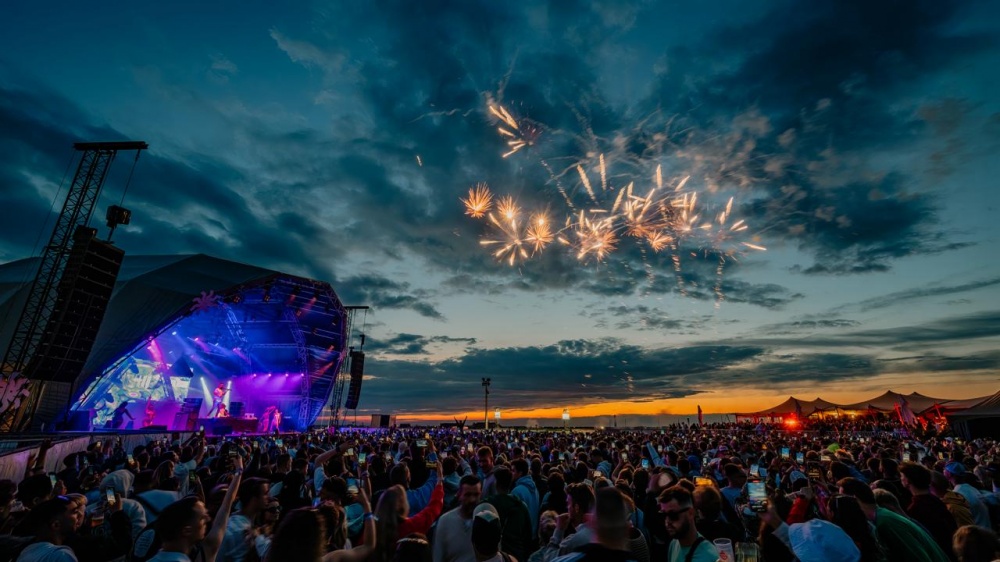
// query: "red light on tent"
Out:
[791,422]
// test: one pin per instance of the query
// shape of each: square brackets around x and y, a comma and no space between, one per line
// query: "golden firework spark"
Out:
[539,233]
[480,201]
[510,240]
[507,207]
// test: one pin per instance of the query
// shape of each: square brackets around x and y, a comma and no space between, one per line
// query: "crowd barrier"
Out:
[18,450]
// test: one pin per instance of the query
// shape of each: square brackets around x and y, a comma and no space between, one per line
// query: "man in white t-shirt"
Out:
[239,532]
[53,521]
[453,537]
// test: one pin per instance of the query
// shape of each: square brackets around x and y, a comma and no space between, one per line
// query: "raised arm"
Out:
[363,552]
[213,540]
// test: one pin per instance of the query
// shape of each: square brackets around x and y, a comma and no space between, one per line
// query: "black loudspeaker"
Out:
[81,301]
[357,373]
[155,428]
[235,409]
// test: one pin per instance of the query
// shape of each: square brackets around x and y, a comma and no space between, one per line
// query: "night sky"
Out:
[335,139]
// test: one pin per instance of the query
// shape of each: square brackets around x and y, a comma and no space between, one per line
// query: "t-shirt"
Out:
[169,557]
[453,538]
[904,540]
[236,543]
[46,552]
[980,512]
[597,553]
[706,552]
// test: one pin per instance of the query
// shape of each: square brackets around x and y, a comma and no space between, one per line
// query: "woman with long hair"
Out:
[302,536]
[394,521]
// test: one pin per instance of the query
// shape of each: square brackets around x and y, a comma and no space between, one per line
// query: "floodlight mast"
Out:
[77,210]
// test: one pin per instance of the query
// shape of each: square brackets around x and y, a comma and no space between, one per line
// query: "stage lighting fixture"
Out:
[174,333]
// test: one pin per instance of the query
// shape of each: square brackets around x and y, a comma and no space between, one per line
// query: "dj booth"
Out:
[227,426]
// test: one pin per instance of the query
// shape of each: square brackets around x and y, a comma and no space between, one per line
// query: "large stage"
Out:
[177,328]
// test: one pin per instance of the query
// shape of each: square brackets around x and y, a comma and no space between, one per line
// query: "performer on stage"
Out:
[276,420]
[150,413]
[118,417]
[265,418]
[223,412]
[218,394]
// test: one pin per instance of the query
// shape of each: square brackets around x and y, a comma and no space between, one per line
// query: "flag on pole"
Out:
[700,422]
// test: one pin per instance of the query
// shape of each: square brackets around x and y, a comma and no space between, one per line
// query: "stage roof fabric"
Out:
[988,408]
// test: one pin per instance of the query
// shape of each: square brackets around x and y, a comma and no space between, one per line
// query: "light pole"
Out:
[486,402]
[565,418]
[496,417]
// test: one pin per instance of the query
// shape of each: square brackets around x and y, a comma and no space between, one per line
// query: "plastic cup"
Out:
[725,548]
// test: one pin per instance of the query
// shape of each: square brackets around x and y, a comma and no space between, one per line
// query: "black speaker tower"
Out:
[357,373]
[82,300]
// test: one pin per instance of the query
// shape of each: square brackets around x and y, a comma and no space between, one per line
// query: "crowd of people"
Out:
[678,494]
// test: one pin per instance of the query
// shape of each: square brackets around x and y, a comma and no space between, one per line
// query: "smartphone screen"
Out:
[352,486]
[469,447]
[53,479]
[279,442]
[757,494]
[350,452]
[362,457]
[597,474]
[784,452]
[645,464]
[800,458]
[109,493]
[762,471]
[754,469]
[388,456]
[422,443]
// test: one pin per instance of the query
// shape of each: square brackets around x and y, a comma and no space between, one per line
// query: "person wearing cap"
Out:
[452,539]
[486,534]
[925,508]
[54,522]
[814,540]
[610,521]
[677,507]
[955,473]
[902,539]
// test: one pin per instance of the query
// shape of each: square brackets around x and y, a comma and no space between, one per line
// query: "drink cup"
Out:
[725,548]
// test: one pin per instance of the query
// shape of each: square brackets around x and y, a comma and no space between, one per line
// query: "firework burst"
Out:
[519,132]
[479,202]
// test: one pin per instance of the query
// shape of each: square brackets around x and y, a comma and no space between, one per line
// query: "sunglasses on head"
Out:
[675,515]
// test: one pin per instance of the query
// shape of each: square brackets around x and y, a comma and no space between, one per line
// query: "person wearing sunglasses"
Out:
[677,508]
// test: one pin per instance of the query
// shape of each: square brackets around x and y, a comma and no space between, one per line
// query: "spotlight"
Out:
[174,333]
[269,374]
[196,338]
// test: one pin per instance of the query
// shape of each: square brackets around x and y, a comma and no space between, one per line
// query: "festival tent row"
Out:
[909,404]
[980,420]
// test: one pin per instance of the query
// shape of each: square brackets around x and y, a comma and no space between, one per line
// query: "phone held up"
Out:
[757,495]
